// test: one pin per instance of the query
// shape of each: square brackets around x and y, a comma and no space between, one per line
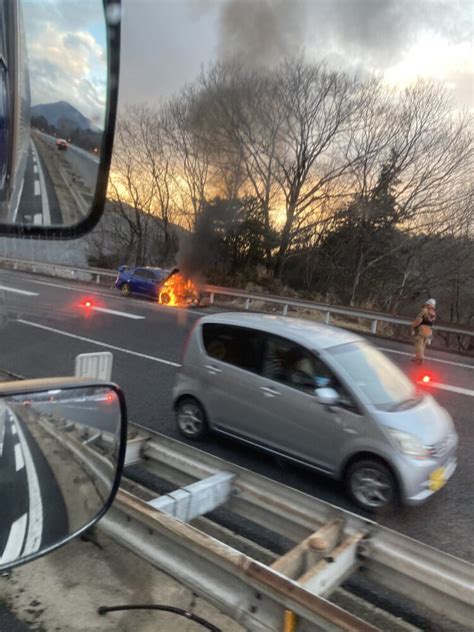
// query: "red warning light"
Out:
[88,304]
[426,379]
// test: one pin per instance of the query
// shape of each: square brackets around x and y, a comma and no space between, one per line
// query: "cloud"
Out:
[66,60]
[261,32]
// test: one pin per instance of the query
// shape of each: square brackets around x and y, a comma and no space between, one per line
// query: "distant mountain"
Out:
[63,116]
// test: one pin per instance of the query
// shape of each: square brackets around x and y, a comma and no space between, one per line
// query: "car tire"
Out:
[125,290]
[165,298]
[371,484]
[191,419]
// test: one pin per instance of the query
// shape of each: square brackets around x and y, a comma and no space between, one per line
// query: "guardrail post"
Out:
[247,303]
[98,279]
[285,310]
[211,298]
[373,327]
[327,318]
[15,265]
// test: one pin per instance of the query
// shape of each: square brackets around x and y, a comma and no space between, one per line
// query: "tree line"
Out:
[303,176]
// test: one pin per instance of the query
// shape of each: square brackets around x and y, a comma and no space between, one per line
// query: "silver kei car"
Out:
[319,396]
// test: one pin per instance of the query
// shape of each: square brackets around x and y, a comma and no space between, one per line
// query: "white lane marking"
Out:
[20,195]
[37,219]
[14,432]
[450,387]
[19,462]
[37,187]
[44,193]
[15,541]
[98,343]
[17,291]
[35,169]
[115,296]
[406,353]
[116,313]
[35,522]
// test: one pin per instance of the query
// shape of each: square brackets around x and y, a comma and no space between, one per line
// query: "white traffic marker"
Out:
[406,353]
[35,522]
[15,541]
[35,169]
[17,291]
[98,343]
[19,462]
[37,188]
[116,313]
[14,432]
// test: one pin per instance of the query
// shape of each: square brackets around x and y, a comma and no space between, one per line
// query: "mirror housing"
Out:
[326,396]
[62,449]
[45,192]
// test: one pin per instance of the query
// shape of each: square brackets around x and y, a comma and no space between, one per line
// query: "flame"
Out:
[178,292]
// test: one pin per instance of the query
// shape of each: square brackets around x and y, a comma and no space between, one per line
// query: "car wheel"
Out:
[165,298]
[191,419]
[371,484]
[125,289]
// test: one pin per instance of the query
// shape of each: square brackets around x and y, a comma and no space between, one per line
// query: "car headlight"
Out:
[409,444]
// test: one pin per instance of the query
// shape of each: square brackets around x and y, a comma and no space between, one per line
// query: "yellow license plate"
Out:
[437,479]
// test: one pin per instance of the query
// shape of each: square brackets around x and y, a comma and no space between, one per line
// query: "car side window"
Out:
[291,364]
[239,346]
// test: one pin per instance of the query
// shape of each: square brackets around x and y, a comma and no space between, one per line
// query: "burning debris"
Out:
[177,291]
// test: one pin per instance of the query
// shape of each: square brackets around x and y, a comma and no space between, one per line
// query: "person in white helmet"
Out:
[422,329]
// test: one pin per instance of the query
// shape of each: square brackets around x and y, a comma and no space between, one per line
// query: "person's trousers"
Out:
[420,344]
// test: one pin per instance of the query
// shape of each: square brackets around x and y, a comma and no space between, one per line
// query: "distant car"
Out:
[141,280]
[319,396]
[61,144]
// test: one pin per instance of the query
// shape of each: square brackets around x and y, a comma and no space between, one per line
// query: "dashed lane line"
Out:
[99,343]
[454,389]
[37,190]
[15,290]
[406,353]
[44,193]
[35,522]
[19,461]
[16,537]
[114,312]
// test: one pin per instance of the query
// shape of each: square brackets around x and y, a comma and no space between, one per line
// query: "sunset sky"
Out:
[165,43]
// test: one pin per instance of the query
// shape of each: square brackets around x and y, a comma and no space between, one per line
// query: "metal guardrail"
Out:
[328,545]
[97,275]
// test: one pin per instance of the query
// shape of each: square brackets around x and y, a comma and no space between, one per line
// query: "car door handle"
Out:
[213,370]
[269,392]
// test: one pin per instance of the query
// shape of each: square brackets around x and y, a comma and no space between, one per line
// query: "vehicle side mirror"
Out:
[326,396]
[62,447]
[56,137]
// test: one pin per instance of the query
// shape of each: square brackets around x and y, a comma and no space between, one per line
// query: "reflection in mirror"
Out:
[58,455]
[52,102]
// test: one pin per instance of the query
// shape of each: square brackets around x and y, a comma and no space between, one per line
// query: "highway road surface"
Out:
[38,203]
[48,326]
[33,513]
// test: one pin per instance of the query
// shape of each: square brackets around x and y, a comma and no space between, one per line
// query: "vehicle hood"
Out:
[428,421]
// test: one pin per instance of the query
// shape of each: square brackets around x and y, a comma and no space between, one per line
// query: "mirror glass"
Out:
[53,82]
[58,454]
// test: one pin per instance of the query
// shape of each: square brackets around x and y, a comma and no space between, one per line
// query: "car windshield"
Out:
[384,385]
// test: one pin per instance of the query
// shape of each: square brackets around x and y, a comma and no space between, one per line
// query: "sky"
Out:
[67,54]
[166,43]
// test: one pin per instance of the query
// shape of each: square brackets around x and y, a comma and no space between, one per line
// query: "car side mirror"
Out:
[62,447]
[326,396]
[57,115]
